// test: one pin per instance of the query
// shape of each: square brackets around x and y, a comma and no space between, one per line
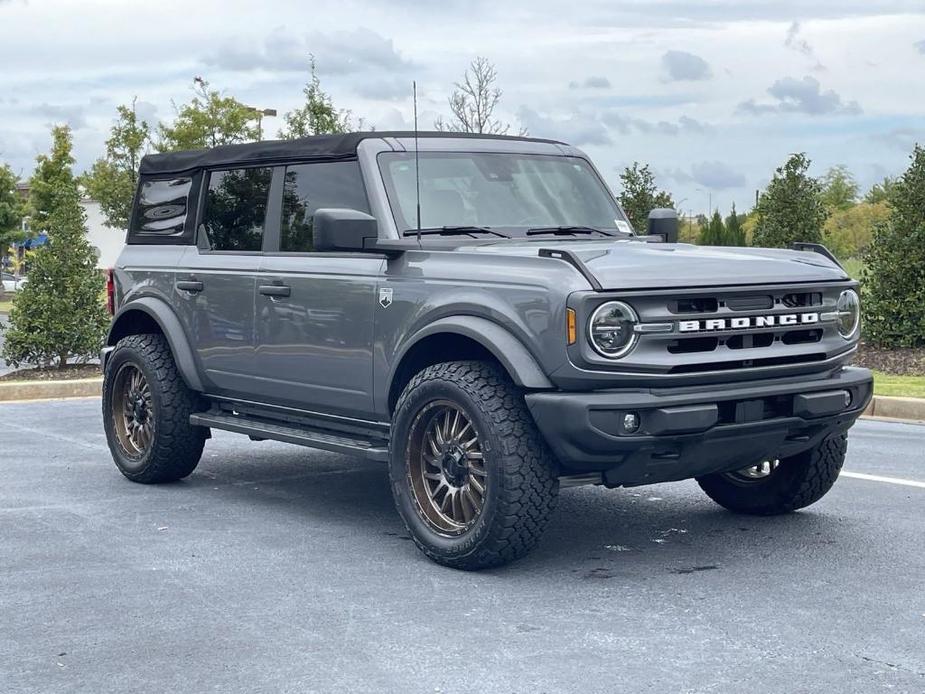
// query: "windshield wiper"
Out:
[454,231]
[566,231]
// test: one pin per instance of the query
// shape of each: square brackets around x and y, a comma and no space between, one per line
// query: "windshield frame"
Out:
[516,232]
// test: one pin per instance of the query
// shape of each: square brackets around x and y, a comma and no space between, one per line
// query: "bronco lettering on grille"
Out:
[746,322]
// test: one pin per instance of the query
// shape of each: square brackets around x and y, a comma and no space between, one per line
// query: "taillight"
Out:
[110,292]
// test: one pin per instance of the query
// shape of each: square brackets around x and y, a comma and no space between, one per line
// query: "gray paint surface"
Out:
[276,569]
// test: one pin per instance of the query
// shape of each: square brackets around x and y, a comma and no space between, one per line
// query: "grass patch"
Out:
[853,266]
[5,306]
[899,386]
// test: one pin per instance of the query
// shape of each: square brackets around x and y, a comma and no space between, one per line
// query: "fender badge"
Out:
[385,297]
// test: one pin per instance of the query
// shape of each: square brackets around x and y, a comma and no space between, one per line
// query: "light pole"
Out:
[260,113]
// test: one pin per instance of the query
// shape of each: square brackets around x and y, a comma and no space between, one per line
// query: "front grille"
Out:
[745,363]
[723,330]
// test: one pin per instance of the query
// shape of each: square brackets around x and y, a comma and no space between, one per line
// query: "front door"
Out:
[217,281]
[315,311]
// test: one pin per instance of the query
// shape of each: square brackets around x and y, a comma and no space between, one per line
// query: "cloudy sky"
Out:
[713,94]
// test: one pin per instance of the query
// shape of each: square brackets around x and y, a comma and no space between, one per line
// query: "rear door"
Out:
[315,311]
[217,279]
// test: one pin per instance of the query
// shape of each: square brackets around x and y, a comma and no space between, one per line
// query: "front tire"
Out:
[471,476]
[780,486]
[146,410]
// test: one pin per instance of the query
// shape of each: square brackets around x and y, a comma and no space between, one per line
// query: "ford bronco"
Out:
[478,313]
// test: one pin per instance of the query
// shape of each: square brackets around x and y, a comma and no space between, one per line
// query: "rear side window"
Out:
[236,208]
[161,210]
[310,187]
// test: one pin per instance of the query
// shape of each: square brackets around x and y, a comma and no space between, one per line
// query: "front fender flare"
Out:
[524,370]
[170,325]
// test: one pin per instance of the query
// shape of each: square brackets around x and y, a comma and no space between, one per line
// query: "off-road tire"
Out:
[175,446]
[796,482]
[523,482]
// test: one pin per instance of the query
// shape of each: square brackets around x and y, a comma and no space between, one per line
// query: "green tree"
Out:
[52,175]
[713,233]
[317,116]
[640,195]
[735,232]
[12,210]
[791,208]
[208,120]
[113,178]
[839,189]
[473,102]
[894,276]
[848,233]
[58,315]
[880,192]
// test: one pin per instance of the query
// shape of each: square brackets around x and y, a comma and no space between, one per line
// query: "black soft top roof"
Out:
[317,147]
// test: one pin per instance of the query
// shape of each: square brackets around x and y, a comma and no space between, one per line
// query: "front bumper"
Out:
[687,432]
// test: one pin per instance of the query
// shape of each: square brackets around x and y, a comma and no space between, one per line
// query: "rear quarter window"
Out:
[162,210]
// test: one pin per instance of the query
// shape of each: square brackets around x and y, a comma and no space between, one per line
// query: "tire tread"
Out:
[530,480]
[177,445]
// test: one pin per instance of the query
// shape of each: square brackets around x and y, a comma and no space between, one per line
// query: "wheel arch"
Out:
[460,338]
[150,314]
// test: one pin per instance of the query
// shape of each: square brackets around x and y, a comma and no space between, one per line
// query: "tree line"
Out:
[58,315]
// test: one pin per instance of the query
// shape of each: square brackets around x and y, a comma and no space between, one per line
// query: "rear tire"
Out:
[471,476]
[793,484]
[146,410]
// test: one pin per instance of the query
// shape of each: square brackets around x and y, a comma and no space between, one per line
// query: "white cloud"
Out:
[68,61]
[336,53]
[593,82]
[801,96]
[682,66]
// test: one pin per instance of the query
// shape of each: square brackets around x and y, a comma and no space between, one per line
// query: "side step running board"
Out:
[261,429]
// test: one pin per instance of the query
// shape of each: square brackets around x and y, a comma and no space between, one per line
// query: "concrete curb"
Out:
[50,390]
[886,407]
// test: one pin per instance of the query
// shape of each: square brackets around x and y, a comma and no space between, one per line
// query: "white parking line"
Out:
[879,478]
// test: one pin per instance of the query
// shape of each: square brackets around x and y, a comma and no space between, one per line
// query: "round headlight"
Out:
[611,329]
[848,309]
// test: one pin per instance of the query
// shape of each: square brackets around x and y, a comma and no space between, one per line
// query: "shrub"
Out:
[791,208]
[894,279]
[58,315]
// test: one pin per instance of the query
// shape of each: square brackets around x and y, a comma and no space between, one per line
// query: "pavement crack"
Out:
[894,666]
[693,569]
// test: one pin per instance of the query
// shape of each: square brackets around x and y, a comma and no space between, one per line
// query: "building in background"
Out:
[106,241]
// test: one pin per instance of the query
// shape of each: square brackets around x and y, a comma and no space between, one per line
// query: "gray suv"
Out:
[478,313]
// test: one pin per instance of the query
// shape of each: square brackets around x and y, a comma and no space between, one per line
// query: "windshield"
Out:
[511,193]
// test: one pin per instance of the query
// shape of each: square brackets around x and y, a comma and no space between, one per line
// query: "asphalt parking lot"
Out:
[278,569]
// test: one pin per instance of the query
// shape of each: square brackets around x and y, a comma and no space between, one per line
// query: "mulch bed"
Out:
[68,373]
[899,362]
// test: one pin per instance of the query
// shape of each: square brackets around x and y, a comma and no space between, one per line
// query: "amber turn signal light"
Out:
[570,325]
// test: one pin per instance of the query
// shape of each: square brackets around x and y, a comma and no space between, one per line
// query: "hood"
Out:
[632,264]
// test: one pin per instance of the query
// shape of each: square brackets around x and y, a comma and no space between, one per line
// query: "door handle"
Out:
[191,286]
[274,290]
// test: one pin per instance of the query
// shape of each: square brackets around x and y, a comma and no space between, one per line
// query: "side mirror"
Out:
[663,221]
[336,229]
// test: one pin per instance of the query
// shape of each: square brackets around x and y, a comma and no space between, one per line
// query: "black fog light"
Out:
[630,422]
[848,399]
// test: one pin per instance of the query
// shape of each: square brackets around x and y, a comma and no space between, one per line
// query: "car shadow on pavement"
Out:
[595,533]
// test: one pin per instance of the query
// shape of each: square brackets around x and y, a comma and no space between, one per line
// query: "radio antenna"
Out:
[417,166]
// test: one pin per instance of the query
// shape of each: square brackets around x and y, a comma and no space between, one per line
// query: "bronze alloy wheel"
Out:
[446,469]
[132,411]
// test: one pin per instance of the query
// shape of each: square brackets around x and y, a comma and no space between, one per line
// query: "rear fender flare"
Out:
[170,325]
